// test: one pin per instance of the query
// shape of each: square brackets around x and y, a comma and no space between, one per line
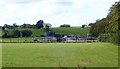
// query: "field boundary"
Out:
[49,42]
[60,68]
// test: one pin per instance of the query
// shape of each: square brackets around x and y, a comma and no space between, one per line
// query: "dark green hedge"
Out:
[109,37]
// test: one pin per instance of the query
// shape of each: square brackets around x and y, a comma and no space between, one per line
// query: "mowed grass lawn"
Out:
[55,54]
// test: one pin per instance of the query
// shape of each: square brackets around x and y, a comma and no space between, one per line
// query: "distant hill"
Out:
[72,30]
[60,30]
[63,30]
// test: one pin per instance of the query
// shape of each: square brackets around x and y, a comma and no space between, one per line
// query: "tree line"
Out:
[108,29]
[23,30]
[38,25]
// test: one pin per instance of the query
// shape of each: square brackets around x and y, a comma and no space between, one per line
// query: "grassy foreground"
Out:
[55,54]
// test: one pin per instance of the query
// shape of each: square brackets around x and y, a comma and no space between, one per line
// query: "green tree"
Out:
[26,33]
[14,26]
[47,26]
[39,24]
[16,33]
[108,27]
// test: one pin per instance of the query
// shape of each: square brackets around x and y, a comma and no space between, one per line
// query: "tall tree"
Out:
[40,24]
[24,25]
[113,18]
[14,26]
[108,24]
[108,29]
[47,26]
[5,30]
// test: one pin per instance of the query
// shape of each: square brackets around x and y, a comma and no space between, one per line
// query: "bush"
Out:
[65,25]
[26,33]
[16,33]
[83,26]
[8,36]
[42,35]
[110,37]
[40,24]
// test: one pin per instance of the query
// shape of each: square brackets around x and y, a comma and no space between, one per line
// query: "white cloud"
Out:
[18,1]
[56,12]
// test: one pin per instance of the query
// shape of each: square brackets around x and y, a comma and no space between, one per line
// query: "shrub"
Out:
[26,33]
[110,37]
[83,26]
[65,25]
[16,33]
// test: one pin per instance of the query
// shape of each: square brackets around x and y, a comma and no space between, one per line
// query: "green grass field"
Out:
[55,54]
[72,30]
[25,39]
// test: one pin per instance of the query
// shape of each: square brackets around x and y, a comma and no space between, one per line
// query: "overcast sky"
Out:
[55,12]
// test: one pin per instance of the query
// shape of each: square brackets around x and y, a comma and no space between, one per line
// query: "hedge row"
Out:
[110,37]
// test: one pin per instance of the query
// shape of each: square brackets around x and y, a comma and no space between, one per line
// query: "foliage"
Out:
[113,18]
[5,35]
[14,25]
[98,28]
[6,25]
[26,33]
[40,24]
[109,25]
[47,26]
[3,28]
[16,33]
[5,31]
[108,38]
[83,26]
[28,26]
[24,25]
[59,30]
[65,25]
[90,24]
